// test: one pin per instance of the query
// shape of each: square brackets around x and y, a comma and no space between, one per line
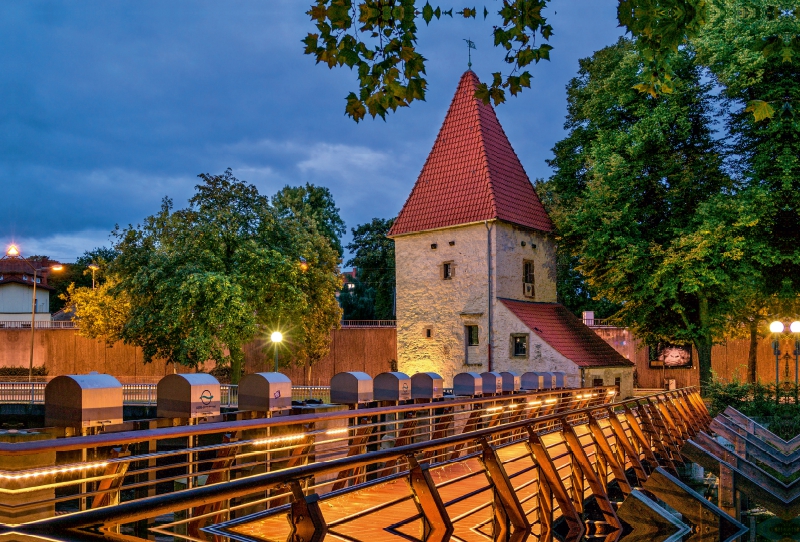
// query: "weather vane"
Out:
[470,46]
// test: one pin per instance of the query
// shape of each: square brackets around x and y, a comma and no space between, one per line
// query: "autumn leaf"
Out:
[761,110]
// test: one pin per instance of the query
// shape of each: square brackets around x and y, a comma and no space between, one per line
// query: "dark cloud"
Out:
[106,107]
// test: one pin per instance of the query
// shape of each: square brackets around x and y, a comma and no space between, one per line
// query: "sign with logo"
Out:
[205,401]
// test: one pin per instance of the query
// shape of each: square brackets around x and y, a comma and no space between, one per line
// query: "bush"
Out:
[777,408]
[22,372]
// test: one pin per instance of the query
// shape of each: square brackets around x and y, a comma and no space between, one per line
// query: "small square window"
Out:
[447,270]
[472,335]
[519,345]
[597,382]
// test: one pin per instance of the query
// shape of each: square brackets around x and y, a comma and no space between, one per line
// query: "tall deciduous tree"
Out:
[373,255]
[634,188]
[312,204]
[204,280]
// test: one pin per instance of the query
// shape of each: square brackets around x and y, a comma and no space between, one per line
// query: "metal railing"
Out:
[177,481]
[369,323]
[601,322]
[45,324]
[144,394]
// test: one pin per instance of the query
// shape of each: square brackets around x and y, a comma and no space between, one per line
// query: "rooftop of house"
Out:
[472,174]
[565,332]
[14,270]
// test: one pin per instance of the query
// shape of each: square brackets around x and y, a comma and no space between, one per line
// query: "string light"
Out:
[49,472]
[278,440]
[341,431]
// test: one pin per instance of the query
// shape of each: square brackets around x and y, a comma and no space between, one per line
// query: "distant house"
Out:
[476,265]
[16,292]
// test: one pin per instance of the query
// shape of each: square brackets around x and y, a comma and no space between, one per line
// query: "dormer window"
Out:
[38,280]
[24,277]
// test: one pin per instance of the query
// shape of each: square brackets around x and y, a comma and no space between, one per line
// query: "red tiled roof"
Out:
[472,173]
[566,333]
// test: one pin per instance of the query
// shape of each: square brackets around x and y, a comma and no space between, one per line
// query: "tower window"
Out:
[447,270]
[472,335]
[519,345]
[528,288]
[428,333]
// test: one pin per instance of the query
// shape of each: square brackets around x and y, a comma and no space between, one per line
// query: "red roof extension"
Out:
[472,174]
[566,333]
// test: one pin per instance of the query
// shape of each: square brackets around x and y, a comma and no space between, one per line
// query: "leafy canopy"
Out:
[638,198]
[196,284]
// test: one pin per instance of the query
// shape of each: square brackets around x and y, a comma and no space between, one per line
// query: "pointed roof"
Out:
[566,333]
[472,173]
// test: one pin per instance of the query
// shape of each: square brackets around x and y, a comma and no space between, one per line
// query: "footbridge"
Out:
[559,464]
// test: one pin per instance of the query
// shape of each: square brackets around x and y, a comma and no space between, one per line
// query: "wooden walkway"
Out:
[387,512]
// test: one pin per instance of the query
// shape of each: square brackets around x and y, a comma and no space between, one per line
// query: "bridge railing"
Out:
[231,468]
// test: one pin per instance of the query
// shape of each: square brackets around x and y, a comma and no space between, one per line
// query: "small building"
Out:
[16,292]
[476,265]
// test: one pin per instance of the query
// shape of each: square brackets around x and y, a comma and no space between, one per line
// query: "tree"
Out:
[78,274]
[373,255]
[357,300]
[314,204]
[101,312]
[635,199]
[378,40]
[204,280]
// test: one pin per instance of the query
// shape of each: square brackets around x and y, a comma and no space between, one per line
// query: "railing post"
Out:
[437,526]
[605,451]
[505,497]
[305,518]
[585,470]
[549,472]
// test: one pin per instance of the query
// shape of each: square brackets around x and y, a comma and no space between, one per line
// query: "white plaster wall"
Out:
[541,356]
[424,300]
[16,298]
[509,257]
[608,374]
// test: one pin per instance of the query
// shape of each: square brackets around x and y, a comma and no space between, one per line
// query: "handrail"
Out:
[128,437]
[127,512]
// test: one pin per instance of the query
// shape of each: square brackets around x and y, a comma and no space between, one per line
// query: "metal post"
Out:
[777,352]
[276,356]
[796,360]
[33,327]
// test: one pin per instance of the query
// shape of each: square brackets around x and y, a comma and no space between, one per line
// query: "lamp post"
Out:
[795,329]
[776,328]
[94,267]
[13,254]
[276,338]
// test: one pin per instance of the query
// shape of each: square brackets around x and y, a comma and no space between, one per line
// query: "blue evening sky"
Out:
[107,107]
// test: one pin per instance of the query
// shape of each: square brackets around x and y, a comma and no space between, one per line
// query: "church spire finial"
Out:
[470,46]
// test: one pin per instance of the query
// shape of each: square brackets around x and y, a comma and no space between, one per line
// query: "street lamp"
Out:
[276,338]
[94,267]
[13,253]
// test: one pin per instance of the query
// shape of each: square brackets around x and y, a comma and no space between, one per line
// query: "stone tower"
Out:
[474,247]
